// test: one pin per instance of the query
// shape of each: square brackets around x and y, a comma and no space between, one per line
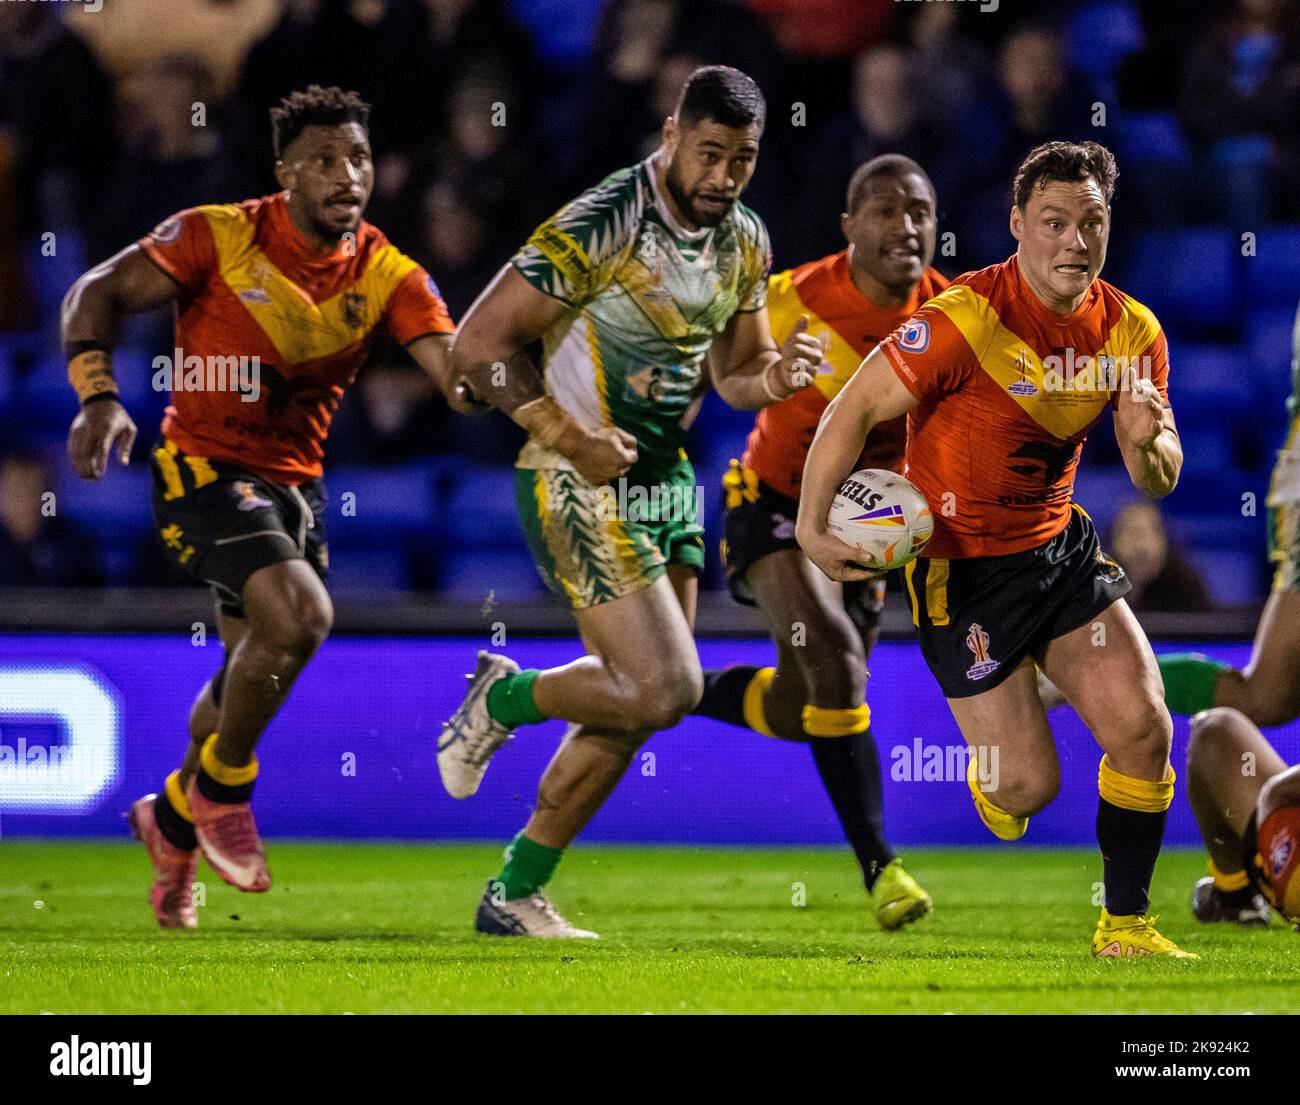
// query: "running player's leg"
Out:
[1107,672]
[1014,771]
[645,645]
[1228,762]
[205,714]
[644,642]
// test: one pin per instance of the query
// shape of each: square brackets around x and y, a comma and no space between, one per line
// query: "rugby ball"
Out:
[882,514]
[1278,843]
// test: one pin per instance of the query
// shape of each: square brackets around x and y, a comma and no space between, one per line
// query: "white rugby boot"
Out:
[471,737]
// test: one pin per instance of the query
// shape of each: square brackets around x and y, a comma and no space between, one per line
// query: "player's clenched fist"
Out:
[1140,414]
[801,357]
[94,432]
[602,454]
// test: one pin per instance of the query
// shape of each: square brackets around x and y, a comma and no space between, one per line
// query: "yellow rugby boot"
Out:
[1000,823]
[1125,937]
[897,899]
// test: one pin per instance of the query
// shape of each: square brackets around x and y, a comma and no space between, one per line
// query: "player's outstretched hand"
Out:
[603,454]
[1140,414]
[96,429]
[801,357]
[836,559]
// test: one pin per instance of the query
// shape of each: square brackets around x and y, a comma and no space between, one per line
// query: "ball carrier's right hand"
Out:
[489,356]
[873,395]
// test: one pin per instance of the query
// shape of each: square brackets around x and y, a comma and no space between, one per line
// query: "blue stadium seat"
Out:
[1189,276]
[117,508]
[1100,35]
[480,509]
[1234,575]
[1273,274]
[506,574]
[1152,138]
[1267,348]
[1102,491]
[355,568]
[1211,378]
[386,504]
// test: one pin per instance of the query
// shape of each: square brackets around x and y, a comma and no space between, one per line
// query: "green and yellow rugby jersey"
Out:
[647,297]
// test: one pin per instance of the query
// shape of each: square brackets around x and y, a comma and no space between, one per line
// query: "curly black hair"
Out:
[316,106]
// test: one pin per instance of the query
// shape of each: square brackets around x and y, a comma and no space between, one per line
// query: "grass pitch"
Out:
[373,928]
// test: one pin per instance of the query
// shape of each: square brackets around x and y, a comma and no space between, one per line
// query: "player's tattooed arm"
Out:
[124,284]
[489,356]
[873,395]
[1148,439]
[750,371]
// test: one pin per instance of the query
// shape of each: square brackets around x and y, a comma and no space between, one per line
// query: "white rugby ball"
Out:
[882,514]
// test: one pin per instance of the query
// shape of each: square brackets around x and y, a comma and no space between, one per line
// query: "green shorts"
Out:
[1284,513]
[593,544]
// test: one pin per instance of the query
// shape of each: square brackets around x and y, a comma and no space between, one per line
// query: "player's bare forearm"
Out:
[1148,441]
[1154,469]
[127,283]
[747,386]
[489,352]
[490,355]
[750,371]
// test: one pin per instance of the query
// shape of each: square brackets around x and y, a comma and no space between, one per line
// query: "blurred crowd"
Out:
[488,114]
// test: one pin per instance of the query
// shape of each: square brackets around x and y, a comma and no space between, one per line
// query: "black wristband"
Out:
[76,348]
[98,396]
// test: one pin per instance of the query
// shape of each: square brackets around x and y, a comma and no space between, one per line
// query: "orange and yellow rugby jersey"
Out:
[1008,391]
[850,325]
[253,287]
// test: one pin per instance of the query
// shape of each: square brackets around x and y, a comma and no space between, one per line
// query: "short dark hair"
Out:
[317,106]
[722,94]
[1064,161]
[887,164]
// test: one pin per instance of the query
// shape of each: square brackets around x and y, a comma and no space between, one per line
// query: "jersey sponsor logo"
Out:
[167,231]
[1047,461]
[914,336]
[977,640]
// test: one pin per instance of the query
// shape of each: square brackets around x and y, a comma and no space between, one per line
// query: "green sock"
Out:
[1189,680]
[529,867]
[510,700]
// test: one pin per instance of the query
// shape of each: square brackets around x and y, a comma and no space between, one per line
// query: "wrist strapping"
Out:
[545,420]
[90,373]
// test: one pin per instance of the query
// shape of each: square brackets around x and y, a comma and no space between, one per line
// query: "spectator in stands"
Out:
[56,113]
[38,547]
[170,157]
[1163,578]
[1240,103]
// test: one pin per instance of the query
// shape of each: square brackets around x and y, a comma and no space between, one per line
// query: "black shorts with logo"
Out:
[221,522]
[977,618]
[759,520]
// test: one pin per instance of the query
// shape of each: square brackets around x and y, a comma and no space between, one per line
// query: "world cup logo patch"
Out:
[978,642]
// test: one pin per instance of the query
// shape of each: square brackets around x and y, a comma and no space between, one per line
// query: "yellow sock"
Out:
[224,773]
[176,796]
[1128,793]
[823,721]
[1228,881]
[752,706]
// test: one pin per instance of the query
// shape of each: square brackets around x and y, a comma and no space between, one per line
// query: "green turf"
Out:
[387,928]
